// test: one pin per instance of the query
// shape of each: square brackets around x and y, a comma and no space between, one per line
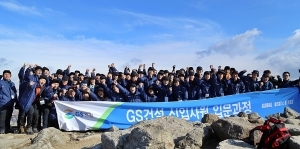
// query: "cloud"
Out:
[132,63]
[236,46]
[20,8]
[5,62]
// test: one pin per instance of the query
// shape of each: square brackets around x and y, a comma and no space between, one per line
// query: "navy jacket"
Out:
[21,75]
[179,93]
[234,87]
[7,91]
[250,84]
[194,91]
[288,83]
[116,97]
[267,86]
[207,88]
[27,97]
[29,77]
[146,97]
[218,87]
[147,81]
[163,92]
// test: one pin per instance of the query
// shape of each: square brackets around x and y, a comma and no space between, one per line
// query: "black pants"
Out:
[44,111]
[22,116]
[9,112]
[36,115]
[3,111]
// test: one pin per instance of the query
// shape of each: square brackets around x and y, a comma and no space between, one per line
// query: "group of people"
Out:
[38,89]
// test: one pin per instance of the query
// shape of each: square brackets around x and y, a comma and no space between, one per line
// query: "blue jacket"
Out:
[133,97]
[21,75]
[218,87]
[194,91]
[7,91]
[27,97]
[286,84]
[29,77]
[207,88]
[48,94]
[250,84]
[116,97]
[234,87]
[267,86]
[179,93]
[92,97]
[146,97]
[147,81]
[163,92]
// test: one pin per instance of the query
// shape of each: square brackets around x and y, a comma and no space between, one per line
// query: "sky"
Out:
[246,35]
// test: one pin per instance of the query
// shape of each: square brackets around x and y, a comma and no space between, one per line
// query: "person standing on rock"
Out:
[8,94]
[29,103]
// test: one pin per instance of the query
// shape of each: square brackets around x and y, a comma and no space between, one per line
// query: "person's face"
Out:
[128,77]
[134,79]
[286,76]
[235,76]
[132,89]
[71,77]
[46,73]
[199,71]
[38,72]
[166,74]
[166,82]
[116,89]
[31,73]
[265,79]
[42,82]
[81,77]
[64,82]
[97,77]
[86,96]
[115,77]
[254,76]
[171,77]
[192,77]
[207,77]
[76,73]
[141,75]
[54,85]
[227,71]
[59,76]
[75,82]
[181,78]
[176,83]
[160,76]
[150,91]
[101,94]
[84,86]
[220,76]
[7,76]
[109,75]
[150,72]
[92,81]
[71,93]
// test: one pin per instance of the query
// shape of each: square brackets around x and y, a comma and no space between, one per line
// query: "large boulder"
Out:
[232,128]
[49,138]
[210,118]
[294,142]
[290,113]
[150,137]
[294,130]
[197,138]
[176,127]
[292,121]
[234,144]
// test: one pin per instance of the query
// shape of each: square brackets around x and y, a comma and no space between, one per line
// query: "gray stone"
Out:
[253,115]
[114,140]
[49,138]
[242,114]
[294,142]
[290,113]
[292,121]
[210,118]
[277,116]
[234,144]
[256,120]
[255,138]
[113,129]
[232,128]
[150,137]
[197,138]
[294,130]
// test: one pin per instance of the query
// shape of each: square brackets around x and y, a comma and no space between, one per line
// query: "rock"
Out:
[234,144]
[293,121]
[253,115]
[294,130]
[150,137]
[294,142]
[113,129]
[277,116]
[255,138]
[177,126]
[232,128]
[196,138]
[210,118]
[256,120]
[49,138]
[290,113]
[73,136]
[242,114]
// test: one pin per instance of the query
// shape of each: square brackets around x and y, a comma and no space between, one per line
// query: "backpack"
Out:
[274,136]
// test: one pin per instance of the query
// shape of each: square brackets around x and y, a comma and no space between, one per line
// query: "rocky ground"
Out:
[162,133]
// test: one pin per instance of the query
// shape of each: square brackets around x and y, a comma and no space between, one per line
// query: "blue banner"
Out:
[103,115]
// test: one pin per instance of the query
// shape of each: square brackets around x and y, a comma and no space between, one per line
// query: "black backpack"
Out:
[274,136]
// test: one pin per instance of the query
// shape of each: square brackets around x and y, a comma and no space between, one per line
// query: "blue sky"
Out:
[92,34]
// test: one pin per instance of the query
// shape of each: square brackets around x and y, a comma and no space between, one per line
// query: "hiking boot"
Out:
[9,131]
[21,130]
[29,131]
[2,131]
[35,130]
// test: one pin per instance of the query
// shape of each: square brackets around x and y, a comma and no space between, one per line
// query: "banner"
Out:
[95,115]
